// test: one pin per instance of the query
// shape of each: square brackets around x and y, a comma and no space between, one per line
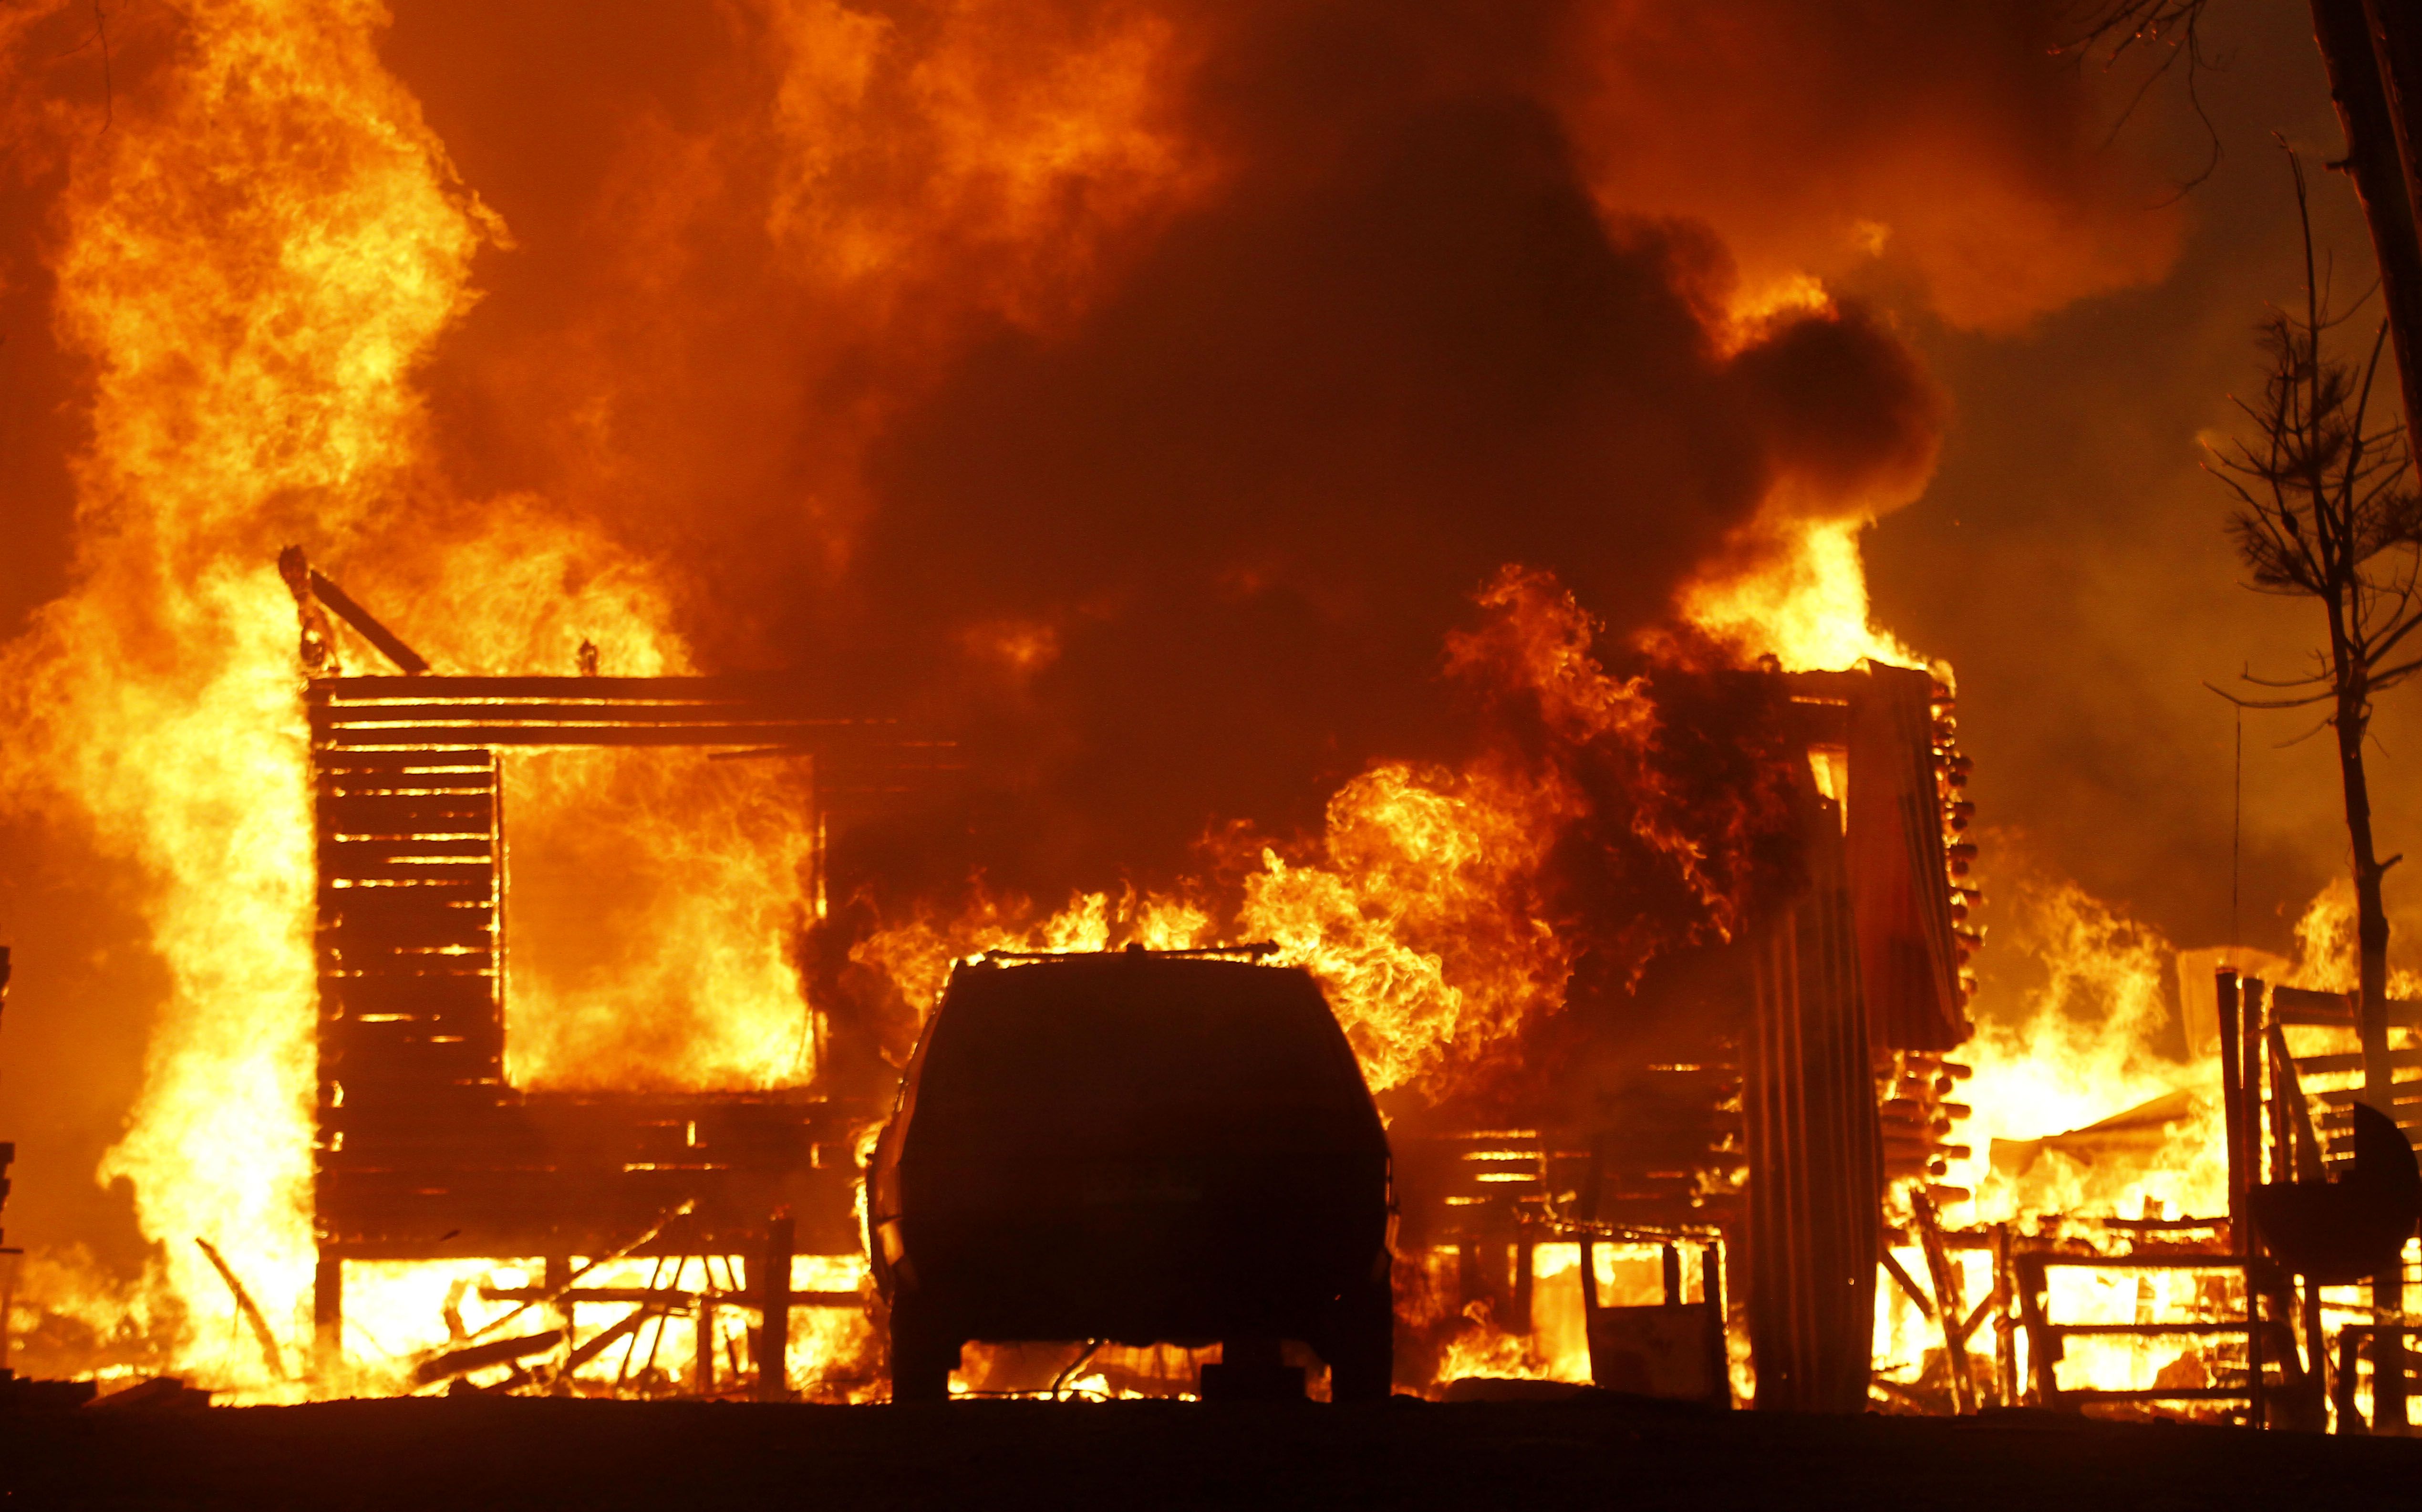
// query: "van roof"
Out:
[1038,1039]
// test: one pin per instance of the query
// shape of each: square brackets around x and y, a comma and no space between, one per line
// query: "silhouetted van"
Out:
[1133,1147]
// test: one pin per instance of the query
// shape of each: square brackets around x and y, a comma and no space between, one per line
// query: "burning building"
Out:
[1134,394]
[1725,1097]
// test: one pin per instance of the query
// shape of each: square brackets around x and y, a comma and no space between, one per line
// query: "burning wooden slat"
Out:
[1950,1301]
[774,1310]
[2044,1334]
[246,1305]
[666,1296]
[479,1356]
[607,1338]
[308,584]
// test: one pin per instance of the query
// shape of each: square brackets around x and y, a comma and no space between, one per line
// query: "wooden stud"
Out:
[702,1369]
[773,1311]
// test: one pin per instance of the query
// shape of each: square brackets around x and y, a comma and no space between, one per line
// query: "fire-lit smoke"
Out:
[1895,144]
[1140,392]
[1449,911]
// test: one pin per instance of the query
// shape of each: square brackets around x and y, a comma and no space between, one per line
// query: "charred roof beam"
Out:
[311,586]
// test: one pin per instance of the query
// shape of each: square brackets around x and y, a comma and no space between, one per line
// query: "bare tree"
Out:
[2325,512]
[2372,49]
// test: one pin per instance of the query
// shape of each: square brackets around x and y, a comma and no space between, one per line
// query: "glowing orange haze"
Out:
[267,249]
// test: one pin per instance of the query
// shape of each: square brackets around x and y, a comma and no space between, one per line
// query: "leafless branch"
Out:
[2325,507]
[108,85]
[2172,30]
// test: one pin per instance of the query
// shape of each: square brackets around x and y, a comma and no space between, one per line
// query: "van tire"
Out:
[1360,1344]
[923,1357]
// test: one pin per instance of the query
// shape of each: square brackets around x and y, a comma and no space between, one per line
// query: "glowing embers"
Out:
[648,1326]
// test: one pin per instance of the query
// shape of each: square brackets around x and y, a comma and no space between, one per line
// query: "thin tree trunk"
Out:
[2372,943]
[2396,28]
[2371,76]
[2370,917]
[2344,33]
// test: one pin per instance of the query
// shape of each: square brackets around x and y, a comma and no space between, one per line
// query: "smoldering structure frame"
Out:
[424,1151]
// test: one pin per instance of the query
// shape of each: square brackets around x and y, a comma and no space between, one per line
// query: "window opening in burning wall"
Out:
[652,897]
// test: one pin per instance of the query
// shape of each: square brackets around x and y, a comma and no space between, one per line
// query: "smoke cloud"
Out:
[1138,393]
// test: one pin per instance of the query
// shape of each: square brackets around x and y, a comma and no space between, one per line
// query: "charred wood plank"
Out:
[1950,1301]
[665,1296]
[2142,1330]
[607,1338]
[479,1356]
[2301,1006]
[723,686]
[452,999]
[396,913]
[344,856]
[476,870]
[2315,1065]
[452,761]
[402,815]
[2300,1147]
[693,733]
[246,1305]
[402,784]
[600,712]
[338,953]
[1908,1284]
[389,644]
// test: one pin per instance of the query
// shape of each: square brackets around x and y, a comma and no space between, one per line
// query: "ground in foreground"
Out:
[479,1451]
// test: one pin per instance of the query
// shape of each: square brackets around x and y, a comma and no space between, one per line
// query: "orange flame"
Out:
[252,351]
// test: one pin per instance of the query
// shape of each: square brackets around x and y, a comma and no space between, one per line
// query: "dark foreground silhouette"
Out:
[1587,1452]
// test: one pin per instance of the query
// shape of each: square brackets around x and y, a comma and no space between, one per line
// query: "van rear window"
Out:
[1094,1034]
